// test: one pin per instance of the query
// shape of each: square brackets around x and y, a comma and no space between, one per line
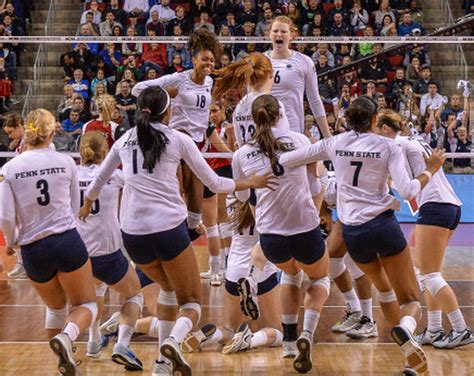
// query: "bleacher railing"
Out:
[461,57]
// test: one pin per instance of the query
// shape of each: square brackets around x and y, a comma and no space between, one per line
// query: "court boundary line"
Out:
[202,306]
[155,342]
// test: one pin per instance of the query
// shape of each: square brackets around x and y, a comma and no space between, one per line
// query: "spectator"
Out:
[247,14]
[183,51]
[98,79]
[73,126]
[414,70]
[395,88]
[384,9]
[80,84]
[136,8]
[120,119]
[155,23]
[387,26]
[369,90]
[94,9]
[339,8]
[294,13]
[154,58]
[126,101]
[408,26]
[381,102]
[129,77]
[182,20]
[318,21]
[219,9]
[132,49]
[355,87]
[339,27]
[416,12]
[204,22]
[101,89]
[13,128]
[363,49]
[432,100]
[198,6]
[130,63]
[66,101]
[175,66]
[308,13]
[62,141]
[421,85]
[166,14]
[454,107]
[112,56]
[226,59]
[374,72]
[323,50]
[77,104]
[89,22]
[151,74]
[406,106]
[246,31]
[230,23]
[117,31]
[359,17]
[264,25]
[107,26]
[119,14]
[418,51]
[9,59]
[86,31]
[460,144]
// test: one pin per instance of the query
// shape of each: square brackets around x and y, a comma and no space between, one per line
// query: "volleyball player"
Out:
[362,161]
[236,332]
[438,216]
[104,124]
[41,196]
[290,239]
[294,75]
[191,92]
[153,223]
[101,235]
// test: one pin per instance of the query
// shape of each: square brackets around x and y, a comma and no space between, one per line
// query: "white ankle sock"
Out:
[366,306]
[352,301]
[154,329]
[215,338]
[311,319]
[435,322]
[258,339]
[181,328]
[215,264]
[409,323]
[125,333]
[457,320]
[289,319]
[94,332]
[164,330]
[72,330]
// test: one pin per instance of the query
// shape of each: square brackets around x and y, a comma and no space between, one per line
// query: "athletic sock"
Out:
[214,264]
[457,320]
[125,333]
[164,330]
[215,338]
[258,339]
[94,332]
[435,323]
[409,323]
[72,330]
[181,328]
[311,319]
[366,306]
[154,329]
[352,300]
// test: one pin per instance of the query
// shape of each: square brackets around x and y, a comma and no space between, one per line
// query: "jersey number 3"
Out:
[43,187]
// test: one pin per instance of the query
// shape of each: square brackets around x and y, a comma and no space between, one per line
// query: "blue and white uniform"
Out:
[40,197]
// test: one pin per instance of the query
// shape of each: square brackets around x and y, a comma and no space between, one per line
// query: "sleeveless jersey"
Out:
[216,163]
[190,107]
[98,125]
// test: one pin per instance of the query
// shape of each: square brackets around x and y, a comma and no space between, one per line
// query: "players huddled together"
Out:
[267,211]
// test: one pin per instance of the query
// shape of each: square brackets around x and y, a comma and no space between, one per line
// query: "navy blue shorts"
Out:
[262,287]
[306,248]
[63,252]
[380,236]
[144,279]
[164,245]
[224,171]
[111,268]
[440,215]
[253,197]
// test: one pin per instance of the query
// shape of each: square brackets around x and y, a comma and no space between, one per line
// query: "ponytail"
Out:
[153,104]
[241,216]
[93,148]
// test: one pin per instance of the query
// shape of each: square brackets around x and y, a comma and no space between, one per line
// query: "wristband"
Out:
[428,174]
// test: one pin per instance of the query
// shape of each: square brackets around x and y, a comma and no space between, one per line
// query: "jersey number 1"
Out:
[95,209]
[355,179]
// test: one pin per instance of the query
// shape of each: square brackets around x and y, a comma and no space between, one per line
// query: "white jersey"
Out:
[292,78]
[362,162]
[40,195]
[101,231]
[190,107]
[151,200]
[330,195]
[438,189]
[289,209]
[244,126]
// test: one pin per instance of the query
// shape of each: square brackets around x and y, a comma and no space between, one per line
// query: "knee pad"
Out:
[387,297]
[194,306]
[136,299]
[336,267]
[225,230]
[324,282]
[278,338]
[295,280]
[167,298]
[418,279]
[55,318]
[100,289]
[213,231]
[93,309]
[353,268]
[433,282]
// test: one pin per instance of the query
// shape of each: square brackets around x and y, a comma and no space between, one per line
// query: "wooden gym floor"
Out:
[24,349]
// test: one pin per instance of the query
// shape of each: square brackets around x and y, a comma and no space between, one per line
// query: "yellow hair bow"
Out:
[31,128]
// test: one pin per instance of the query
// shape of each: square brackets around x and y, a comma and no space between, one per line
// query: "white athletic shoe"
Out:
[18,272]
[414,355]
[124,355]
[349,321]
[216,280]
[206,275]
[289,349]
[162,369]
[240,341]
[194,340]
[110,327]
[365,328]
[428,338]
[303,361]
[94,349]
[170,350]
[61,344]
[455,339]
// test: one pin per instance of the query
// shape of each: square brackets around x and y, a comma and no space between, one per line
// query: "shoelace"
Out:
[79,361]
